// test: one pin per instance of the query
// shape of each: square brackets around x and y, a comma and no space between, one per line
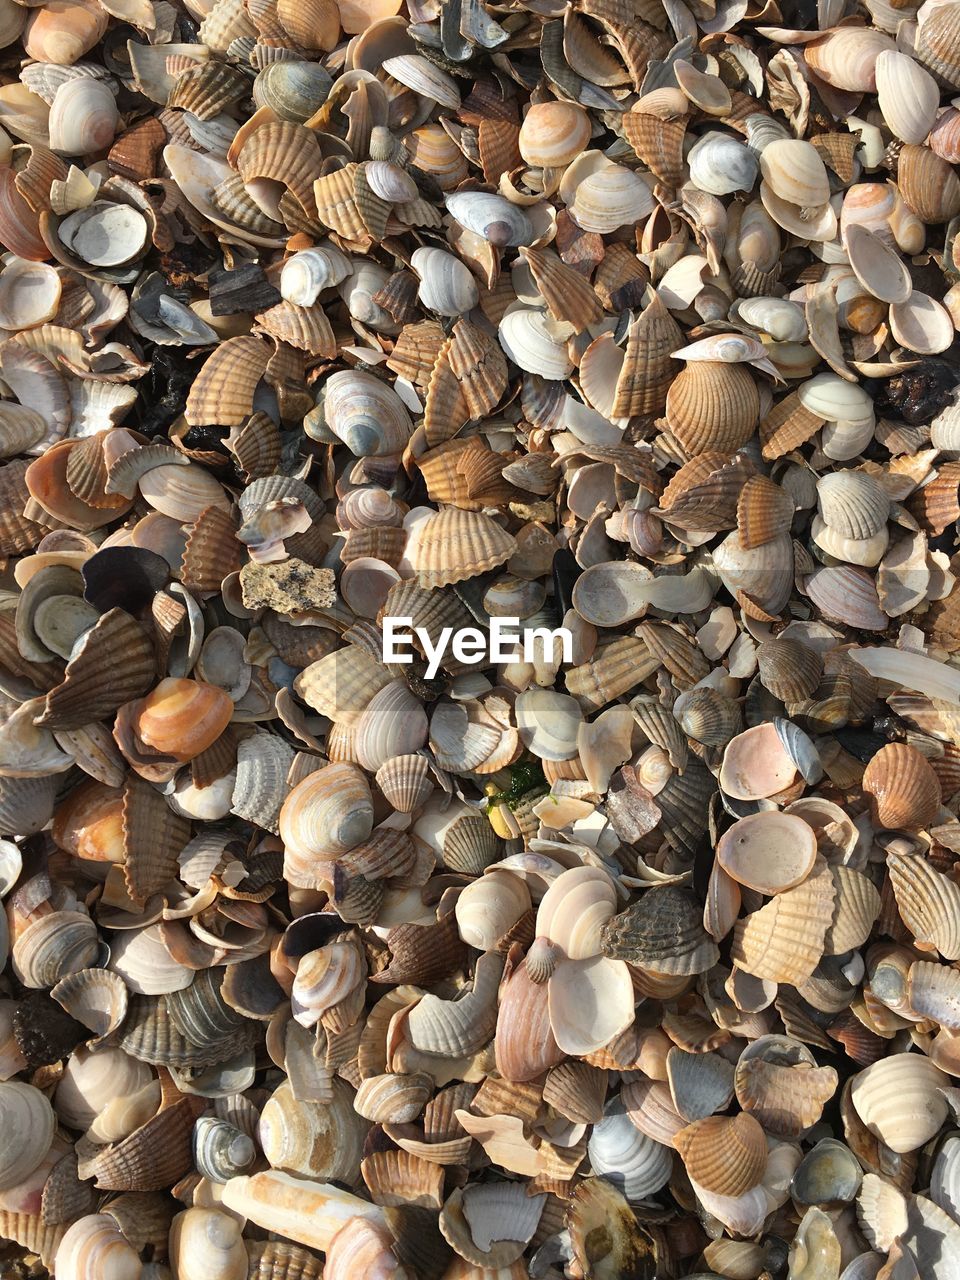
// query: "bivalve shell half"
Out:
[909,96]
[724,1154]
[553,134]
[904,790]
[27,1126]
[899,1099]
[768,851]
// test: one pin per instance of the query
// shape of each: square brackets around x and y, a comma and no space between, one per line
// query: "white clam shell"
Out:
[637,1165]
[921,324]
[529,339]
[721,164]
[909,96]
[447,286]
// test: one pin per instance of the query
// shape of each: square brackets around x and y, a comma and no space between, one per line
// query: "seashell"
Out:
[490,1223]
[446,285]
[659,144]
[794,172]
[784,940]
[590,1002]
[28,1129]
[768,852]
[91,1081]
[366,414]
[328,812]
[312,1139]
[454,544]
[491,217]
[297,1207]
[904,790]
[397,1099]
[609,198]
[921,324]
[435,152]
[781,319]
[181,718]
[527,338]
[789,669]
[928,185]
[420,75]
[574,910]
[341,684]
[636,1165]
[83,117]
[908,96]
[53,946]
[853,502]
[207,1242]
[64,32]
[721,164]
[925,900]
[361,1247]
[724,1154]
[662,931]
[877,267]
[828,1174]
[94,1245]
[405,781]
[843,592]
[932,991]
[489,907]
[898,1099]
[294,90]
[553,134]
[713,406]
[847,58]
[756,764]
[96,998]
[709,717]
[306,274]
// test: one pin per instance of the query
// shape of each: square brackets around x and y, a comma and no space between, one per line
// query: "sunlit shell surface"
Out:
[479,640]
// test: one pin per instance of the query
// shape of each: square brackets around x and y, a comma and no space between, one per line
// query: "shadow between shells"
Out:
[634,317]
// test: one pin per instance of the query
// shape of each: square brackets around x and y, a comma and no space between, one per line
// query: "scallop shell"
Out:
[97,998]
[662,931]
[927,901]
[405,781]
[724,1154]
[454,544]
[784,940]
[713,406]
[904,790]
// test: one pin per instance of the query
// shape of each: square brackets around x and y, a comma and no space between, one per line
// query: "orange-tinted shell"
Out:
[89,823]
[713,406]
[904,791]
[181,718]
[724,1154]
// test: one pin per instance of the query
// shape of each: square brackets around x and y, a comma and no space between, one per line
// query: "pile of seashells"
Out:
[631,961]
